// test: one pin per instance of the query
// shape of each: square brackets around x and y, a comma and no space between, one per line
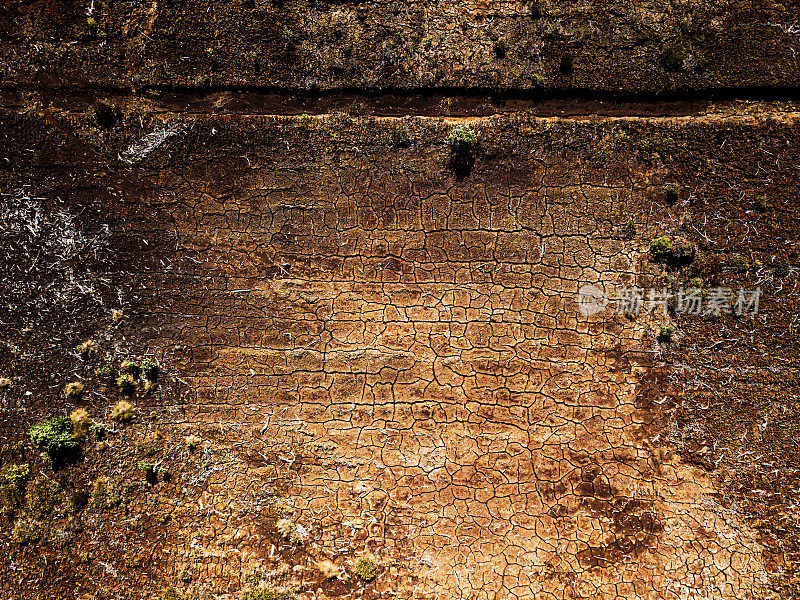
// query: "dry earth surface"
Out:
[368,337]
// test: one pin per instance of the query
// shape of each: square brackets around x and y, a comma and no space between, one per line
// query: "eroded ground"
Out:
[381,344]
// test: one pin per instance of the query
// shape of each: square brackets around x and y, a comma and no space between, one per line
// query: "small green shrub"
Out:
[145,466]
[660,247]
[54,436]
[665,334]
[462,137]
[16,475]
[106,371]
[366,569]
[169,594]
[126,384]
[150,368]
[760,203]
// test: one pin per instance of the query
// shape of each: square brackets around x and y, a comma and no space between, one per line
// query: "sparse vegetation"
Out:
[760,203]
[123,411]
[666,333]
[629,230]
[739,263]
[132,367]
[366,569]
[80,423]
[150,368]
[87,348]
[500,47]
[73,390]
[54,436]
[672,192]
[126,384]
[169,594]
[676,252]
[104,493]
[16,475]
[294,533]
[26,531]
[462,137]
[660,247]
[41,496]
[327,569]
[193,441]
[266,593]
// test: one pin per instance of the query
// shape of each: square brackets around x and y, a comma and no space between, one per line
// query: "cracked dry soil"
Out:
[391,356]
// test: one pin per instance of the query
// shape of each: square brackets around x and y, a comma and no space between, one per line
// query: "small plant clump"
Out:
[104,493]
[123,411]
[106,371]
[54,436]
[760,203]
[87,348]
[500,47]
[16,475]
[676,252]
[12,486]
[73,390]
[666,333]
[132,367]
[265,593]
[41,496]
[150,368]
[660,247]
[126,384]
[629,230]
[366,569]
[462,137]
[294,533]
[26,531]
[739,263]
[80,423]
[671,192]
[193,441]
[327,569]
